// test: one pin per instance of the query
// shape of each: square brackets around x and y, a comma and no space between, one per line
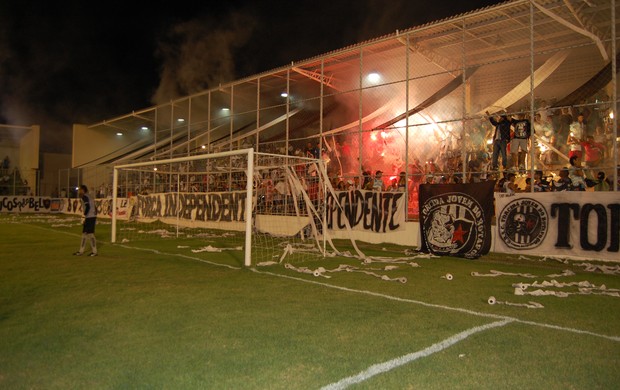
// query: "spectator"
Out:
[367,182]
[501,138]
[563,183]
[312,152]
[6,163]
[545,112]
[402,182]
[430,168]
[575,174]
[520,142]
[485,161]
[393,187]
[473,168]
[565,121]
[417,171]
[577,132]
[528,185]
[499,184]
[540,183]
[509,186]
[594,152]
[601,184]
[377,184]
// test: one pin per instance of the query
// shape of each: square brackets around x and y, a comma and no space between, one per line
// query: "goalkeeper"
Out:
[89,221]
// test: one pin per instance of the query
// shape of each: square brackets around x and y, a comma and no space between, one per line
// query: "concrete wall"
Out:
[12,152]
[21,145]
[51,164]
[90,144]
[29,157]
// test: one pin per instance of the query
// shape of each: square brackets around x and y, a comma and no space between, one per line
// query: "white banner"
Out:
[199,206]
[579,224]
[367,210]
[104,207]
[25,204]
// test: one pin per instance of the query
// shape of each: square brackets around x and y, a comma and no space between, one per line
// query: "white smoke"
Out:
[200,54]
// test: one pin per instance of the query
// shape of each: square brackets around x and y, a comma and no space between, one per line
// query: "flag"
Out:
[455,219]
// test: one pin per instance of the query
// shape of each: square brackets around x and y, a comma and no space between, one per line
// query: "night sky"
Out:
[65,62]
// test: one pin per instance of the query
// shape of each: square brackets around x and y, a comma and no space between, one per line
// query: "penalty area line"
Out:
[389,365]
[140,249]
[442,307]
[178,255]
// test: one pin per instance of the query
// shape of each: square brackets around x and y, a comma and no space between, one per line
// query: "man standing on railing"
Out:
[520,143]
[501,138]
[89,221]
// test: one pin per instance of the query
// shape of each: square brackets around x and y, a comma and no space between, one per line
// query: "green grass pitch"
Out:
[148,314]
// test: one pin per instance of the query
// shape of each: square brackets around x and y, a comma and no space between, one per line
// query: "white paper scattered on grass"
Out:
[493,273]
[210,248]
[320,272]
[529,305]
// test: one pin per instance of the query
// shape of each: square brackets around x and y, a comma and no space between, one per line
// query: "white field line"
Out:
[385,296]
[443,307]
[141,249]
[389,365]
[179,255]
[390,297]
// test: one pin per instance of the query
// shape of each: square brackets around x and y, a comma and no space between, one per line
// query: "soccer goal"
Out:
[258,207]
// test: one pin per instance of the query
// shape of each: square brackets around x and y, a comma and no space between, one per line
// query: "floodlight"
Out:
[373,77]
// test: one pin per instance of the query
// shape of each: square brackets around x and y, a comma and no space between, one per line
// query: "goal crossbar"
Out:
[249,188]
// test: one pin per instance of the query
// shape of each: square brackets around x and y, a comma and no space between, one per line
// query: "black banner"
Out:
[455,219]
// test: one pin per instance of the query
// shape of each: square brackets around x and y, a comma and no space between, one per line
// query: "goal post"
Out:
[263,207]
[249,189]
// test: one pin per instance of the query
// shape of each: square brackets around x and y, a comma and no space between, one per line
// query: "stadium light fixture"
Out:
[225,109]
[373,77]
[119,133]
[144,128]
[284,94]
[181,120]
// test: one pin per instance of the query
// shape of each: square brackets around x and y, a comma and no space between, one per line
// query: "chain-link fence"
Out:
[525,88]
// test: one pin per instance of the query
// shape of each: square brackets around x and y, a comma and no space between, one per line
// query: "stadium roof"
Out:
[489,35]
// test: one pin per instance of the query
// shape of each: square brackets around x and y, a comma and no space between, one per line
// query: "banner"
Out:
[583,224]
[103,205]
[213,206]
[366,210]
[455,219]
[25,204]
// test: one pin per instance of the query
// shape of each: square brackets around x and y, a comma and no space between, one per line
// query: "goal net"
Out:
[241,205]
